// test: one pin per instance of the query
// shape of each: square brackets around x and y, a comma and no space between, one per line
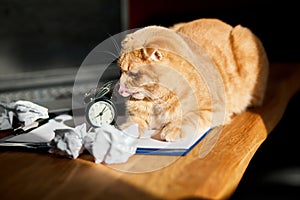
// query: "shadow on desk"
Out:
[274,171]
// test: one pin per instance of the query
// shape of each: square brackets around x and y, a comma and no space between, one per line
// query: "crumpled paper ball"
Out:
[107,144]
[68,142]
[114,146]
[25,112]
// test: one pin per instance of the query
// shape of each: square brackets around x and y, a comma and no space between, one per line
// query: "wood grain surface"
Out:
[212,170]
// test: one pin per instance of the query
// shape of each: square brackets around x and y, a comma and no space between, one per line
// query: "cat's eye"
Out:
[133,74]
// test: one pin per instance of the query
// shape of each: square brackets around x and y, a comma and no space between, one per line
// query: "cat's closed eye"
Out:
[134,75]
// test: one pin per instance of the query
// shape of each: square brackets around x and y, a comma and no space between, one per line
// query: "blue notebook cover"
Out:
[149,146]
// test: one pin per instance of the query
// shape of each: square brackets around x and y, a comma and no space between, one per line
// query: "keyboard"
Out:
[55,98]
[53,88]
[37,95]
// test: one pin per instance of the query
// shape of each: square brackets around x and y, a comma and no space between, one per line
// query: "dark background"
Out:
[35,35]
[275,22]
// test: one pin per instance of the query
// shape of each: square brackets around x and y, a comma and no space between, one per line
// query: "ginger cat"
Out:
[192,76]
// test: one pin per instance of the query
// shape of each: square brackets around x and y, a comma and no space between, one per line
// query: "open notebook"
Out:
[146,145]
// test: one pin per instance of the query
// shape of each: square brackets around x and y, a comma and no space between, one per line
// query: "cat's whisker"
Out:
[152,96]
[110,53]
[149,94]
[115,43]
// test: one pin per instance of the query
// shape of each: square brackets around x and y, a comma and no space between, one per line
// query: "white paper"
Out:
[29,112]
[44,133]
[107,144]
[25,111]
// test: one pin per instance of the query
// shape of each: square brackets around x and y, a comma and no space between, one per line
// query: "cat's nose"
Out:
[123,90]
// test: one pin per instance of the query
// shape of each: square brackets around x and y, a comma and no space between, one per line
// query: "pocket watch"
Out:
[100,109]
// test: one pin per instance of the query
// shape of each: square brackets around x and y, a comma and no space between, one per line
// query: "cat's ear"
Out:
[152,54]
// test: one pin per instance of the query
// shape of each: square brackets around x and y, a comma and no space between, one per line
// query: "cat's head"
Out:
[139,78]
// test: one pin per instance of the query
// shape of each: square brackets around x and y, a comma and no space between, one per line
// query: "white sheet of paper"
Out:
[44,133]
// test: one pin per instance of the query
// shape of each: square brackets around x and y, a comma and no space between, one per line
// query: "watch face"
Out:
[100,112]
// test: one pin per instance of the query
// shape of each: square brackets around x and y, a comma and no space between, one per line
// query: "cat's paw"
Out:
[171,133]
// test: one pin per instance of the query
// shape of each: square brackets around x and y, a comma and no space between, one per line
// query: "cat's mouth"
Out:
[137,92]
[125,92]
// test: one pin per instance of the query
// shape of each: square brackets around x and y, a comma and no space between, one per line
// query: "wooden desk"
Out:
[35,175]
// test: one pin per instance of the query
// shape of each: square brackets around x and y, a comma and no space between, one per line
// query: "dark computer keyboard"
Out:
[51,88]
[37,95]
[54,97]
